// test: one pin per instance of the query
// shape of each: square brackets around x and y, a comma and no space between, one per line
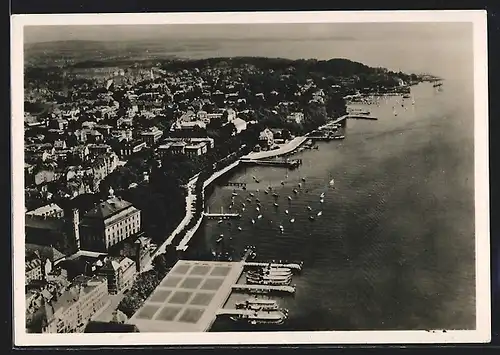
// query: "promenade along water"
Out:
[394,246]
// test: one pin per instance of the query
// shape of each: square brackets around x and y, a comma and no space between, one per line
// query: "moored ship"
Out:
[262,317]
[257,304]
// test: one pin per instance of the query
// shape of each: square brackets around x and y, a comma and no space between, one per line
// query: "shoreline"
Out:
[183,245]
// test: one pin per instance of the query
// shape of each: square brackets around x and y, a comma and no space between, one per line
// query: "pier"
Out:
[263,288]
[222,215]
[293,266]
[237,184]
[289,163]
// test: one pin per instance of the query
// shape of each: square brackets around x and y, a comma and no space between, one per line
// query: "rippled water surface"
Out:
[394,246]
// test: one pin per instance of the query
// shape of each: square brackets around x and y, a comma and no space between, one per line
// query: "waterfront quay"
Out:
[193,294]
[288,163]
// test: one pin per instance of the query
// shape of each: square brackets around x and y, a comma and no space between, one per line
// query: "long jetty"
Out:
[222,215]
[263,288]
[289,163]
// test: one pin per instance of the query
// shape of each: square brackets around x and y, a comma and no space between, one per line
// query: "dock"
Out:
[293,266]
[222,215]
[263,288]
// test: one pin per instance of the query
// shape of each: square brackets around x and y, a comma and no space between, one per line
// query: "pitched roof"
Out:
[38,222]
[45,252]
[108,208]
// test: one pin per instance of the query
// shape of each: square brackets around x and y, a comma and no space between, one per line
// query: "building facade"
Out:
[34,270]
[120,273]
[70,312]
[109,223]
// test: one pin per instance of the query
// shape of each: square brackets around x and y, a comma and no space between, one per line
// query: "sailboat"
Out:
[275,204]
[292,220]
[286,211]
[320,213]
[309,208]
[322,195]
[289,198]
[259,216]
[240,229]
[281,229]
[321,201]
[253,221]
[332,182]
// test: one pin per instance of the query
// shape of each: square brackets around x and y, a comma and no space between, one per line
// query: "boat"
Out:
[257,208]
[266,192]
[321,201]
[311,218]
[275,194]
[309,208]
[240,229]
[219,239]
[265,281]
[275,204]
[289,198]
[278,275]
[406,96]
[257,200]
[251,194]
[243,209]
[292,220]
[259,216]
[220,221]
[253,221]
[282,229]
[282,183]
[322,195]
[339,137]
[243,204]
[320,213]
[257,181]
[332,182]
[316,147]
[257,304]
[286,211]
[249,200]
[295,191]
[304,179]
[262,317]
[276,279]
[300,185]
[269,187]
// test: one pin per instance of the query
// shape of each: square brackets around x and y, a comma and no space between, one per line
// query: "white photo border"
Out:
[481,334]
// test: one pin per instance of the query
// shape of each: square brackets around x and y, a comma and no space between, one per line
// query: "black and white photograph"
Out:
[321,175]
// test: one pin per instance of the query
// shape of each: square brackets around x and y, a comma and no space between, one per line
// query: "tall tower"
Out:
[76,227]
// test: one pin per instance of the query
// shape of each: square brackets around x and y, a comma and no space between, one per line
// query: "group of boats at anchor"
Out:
[262,311]
[251,197]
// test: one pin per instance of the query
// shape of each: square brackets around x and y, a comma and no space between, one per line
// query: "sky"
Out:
[409,31]
[443,49]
